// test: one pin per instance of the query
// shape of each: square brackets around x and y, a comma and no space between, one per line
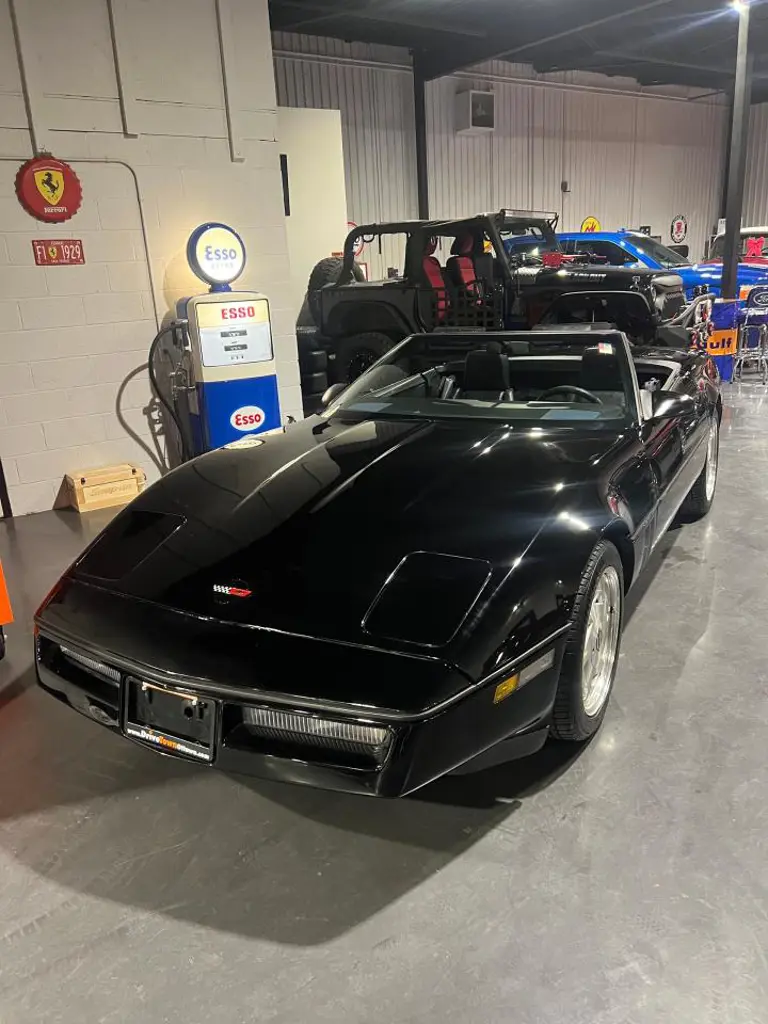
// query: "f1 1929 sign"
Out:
[58,252]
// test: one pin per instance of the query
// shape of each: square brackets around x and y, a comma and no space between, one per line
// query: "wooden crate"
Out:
[103,487]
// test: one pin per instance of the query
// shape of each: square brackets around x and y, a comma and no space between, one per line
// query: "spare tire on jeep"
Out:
[327,272]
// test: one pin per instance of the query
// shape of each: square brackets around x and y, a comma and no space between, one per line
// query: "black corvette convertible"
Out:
[428,576]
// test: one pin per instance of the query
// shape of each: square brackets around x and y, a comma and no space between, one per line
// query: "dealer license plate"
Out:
[174,721]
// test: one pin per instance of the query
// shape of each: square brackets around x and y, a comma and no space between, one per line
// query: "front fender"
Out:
[534,598]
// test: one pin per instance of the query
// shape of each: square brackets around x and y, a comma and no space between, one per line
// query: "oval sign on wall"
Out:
[48,189]
[590,224]
[678,229]
[216,254]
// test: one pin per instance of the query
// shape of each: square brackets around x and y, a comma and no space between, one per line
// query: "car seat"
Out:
[486,375]
[461,265]
[432,277]
[484,268]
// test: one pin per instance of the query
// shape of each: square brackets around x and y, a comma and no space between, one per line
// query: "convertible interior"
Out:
[560,374]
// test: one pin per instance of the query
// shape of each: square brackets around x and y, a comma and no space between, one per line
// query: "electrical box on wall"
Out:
[475,112]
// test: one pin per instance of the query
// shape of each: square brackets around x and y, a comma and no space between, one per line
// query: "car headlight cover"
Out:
[427,598]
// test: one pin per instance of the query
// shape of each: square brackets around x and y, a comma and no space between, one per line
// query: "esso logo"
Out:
[220,254]
[247,417]
[238,312]
[216,253]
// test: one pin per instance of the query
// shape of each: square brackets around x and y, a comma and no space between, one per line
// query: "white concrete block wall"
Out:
[70,330]
[70,337]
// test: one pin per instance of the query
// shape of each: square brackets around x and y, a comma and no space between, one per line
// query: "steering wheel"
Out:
[570,389]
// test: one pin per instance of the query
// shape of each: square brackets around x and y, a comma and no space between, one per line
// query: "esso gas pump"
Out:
[222,375]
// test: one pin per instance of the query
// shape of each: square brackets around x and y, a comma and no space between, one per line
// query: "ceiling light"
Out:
[740,5]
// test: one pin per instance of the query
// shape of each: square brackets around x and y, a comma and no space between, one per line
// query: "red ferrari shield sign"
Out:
[48,189]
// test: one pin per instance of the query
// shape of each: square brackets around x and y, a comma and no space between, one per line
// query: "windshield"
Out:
[558,376]
[525,245]
[659,253]
[752,247]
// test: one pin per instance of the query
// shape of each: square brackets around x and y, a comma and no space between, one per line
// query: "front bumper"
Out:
[418,749]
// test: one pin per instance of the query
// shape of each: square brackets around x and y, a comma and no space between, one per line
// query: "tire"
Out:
[313,361]
[359,351]
[699,499]
[314,384]
[579,710]
[326,272]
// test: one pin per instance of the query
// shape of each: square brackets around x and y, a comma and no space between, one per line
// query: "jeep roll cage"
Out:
[418,233]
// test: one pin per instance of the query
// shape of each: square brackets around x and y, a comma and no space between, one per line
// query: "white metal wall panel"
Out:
[377,122]
[598,143]
[679,166]
[756,187]
[471,173]
[631,156]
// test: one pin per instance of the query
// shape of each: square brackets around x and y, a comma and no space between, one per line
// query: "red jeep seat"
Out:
[461,266]
[432,274]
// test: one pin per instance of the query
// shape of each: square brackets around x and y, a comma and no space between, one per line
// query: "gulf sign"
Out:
[247,418]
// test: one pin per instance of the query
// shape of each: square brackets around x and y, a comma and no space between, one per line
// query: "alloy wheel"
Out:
[601,641]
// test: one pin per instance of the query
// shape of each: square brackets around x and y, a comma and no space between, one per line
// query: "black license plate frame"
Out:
[175,721]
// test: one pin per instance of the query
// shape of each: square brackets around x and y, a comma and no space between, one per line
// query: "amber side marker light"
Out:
[505,688]
[533,669]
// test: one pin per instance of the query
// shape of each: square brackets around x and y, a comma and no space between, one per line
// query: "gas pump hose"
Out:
[153,349]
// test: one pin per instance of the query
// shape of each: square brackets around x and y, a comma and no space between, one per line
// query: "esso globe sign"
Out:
[247,418]
[216,255]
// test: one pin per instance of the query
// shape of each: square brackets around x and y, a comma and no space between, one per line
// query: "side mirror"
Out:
[667,406]
[332,394]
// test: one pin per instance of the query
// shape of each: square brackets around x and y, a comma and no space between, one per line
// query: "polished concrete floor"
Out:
[624,883]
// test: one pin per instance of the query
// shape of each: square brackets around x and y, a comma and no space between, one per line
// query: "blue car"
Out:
[631,248]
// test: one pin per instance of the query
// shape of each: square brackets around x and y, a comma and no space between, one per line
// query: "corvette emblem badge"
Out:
[224,592]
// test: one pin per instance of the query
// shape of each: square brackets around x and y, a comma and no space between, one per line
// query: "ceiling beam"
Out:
[436,65]
[315,13]
[650,59]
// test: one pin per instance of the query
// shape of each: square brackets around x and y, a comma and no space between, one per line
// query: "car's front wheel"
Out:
[592,647]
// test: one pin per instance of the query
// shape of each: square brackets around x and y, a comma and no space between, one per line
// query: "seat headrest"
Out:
[600,368]
[463,246]
[486,370]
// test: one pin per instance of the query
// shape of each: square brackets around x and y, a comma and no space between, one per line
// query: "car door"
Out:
[663,446]
[661,443]
[675,449]
[633,495]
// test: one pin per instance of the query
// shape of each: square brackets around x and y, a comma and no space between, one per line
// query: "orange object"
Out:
[6,615]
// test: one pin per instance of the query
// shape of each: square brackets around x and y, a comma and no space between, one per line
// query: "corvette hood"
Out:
[312,523]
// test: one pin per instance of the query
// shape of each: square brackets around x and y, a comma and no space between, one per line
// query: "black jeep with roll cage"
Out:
[493,271]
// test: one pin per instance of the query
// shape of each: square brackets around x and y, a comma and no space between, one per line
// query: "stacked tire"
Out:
[313,367]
